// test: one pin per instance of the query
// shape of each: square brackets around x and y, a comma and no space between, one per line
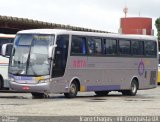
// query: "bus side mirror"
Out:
[7,49]
[50,51]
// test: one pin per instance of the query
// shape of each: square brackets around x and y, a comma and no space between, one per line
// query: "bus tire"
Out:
[133,89]
[36,95]
[1,83]
[101,93]
[73,90]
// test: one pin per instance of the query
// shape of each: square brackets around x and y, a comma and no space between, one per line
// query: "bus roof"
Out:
[7,35]
[61,31]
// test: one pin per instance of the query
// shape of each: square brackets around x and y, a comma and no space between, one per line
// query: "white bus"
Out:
[47,61]
[4,38]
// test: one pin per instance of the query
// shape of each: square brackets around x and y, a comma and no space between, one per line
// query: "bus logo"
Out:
[141,68]
[79,63]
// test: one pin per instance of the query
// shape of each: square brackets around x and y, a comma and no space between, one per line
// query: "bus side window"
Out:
[91,46]
[137,48]
[110,46]
[94,45]
[98,46]
[78,46]
[124,47]
[150,48]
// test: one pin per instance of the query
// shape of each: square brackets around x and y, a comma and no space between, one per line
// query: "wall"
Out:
[136,25]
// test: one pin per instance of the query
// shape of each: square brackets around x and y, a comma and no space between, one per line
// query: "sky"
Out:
[95,14]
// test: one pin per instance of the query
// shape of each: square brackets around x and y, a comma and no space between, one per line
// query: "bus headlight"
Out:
[44,81]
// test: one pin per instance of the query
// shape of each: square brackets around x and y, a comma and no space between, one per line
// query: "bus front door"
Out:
[60,57]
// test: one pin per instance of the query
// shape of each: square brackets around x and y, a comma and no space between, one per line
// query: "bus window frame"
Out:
[118,47]
[117,54]
[85,37]
[150,56]
[133,55]
[95,54]
[110,55]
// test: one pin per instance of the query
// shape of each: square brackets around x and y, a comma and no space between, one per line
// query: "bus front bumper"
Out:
[41,87]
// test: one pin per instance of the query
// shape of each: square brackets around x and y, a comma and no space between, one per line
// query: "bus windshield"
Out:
[30,55]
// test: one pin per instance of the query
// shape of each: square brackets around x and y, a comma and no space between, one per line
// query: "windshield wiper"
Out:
[28,63]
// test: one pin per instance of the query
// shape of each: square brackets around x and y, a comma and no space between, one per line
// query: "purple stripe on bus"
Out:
[101,88]
[20,77]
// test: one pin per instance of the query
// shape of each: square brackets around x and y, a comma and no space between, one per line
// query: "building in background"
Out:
[136,25]
[11,25]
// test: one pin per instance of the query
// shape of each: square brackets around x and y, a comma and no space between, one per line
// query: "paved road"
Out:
[146,103]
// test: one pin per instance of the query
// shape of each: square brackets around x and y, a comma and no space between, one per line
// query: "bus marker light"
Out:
[25,88]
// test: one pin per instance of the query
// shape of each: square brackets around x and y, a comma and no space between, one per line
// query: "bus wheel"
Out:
[73,90]
[1,83]
[133,89]
[101,93]
[36,95]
